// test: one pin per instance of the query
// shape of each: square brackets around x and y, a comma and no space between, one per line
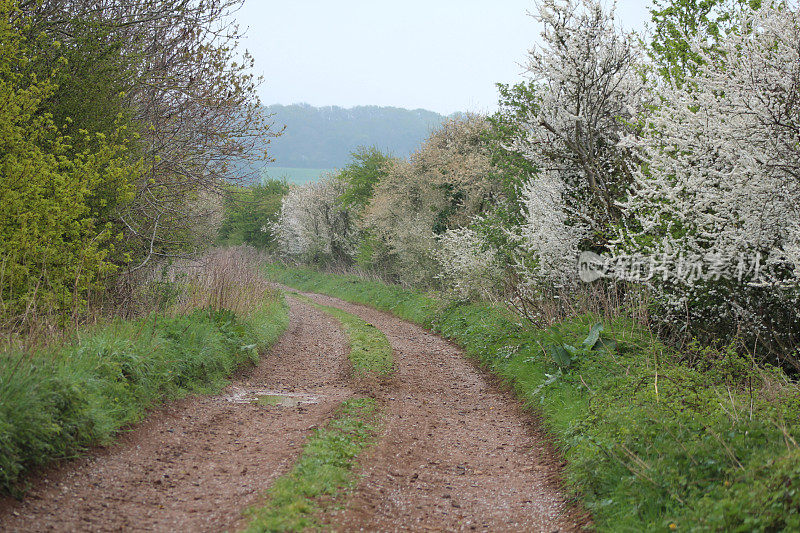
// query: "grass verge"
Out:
[55,403]
[651,442]
[370,351]
[323,470]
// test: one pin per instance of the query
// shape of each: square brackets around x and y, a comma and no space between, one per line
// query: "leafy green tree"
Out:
[53,247]
[676,22]
[517,103]
[250,214]
[367,167]
[171,71]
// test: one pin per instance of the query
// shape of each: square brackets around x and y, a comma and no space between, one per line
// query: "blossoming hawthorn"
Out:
[722,173]
[719,186]
[591,91]
[313,226]
[468,265]
[549,235]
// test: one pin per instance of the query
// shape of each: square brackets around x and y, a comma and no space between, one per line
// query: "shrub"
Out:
[719,190]
[53,246]
[251,213]
[314,227]
[468,265]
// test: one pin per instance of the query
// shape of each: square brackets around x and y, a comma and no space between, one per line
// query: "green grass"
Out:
[650,443]
[296,176]
[55,403]
[323,470]
[268,400]
[370,351]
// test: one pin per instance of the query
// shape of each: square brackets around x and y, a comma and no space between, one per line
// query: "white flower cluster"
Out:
[589,92]
[549,235]
[723,171]
[468,266]
[793,248]
[312,225]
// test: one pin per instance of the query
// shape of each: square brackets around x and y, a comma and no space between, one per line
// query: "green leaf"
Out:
[560,356]
[609,344]
[594,336]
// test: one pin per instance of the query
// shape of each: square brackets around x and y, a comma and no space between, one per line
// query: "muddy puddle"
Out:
[271,398]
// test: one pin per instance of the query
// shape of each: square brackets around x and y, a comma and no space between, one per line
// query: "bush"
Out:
[314,226]
[250,214]
[54,245]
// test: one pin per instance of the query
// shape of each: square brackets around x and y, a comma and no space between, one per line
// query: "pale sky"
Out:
[442,55]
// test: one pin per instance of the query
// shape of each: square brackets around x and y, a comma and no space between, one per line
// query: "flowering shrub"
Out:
[585,92]
[720,181]
[548,236]
[313,227]
[721,173]
[468,266]
[589,94]
[443,186]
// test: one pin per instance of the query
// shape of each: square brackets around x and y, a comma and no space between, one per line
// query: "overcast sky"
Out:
[442,55]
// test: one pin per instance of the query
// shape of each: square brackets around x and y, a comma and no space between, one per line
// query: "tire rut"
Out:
[457,453]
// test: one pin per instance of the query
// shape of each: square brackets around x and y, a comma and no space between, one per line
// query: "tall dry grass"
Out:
[57,399]
[223,278]
[544,307]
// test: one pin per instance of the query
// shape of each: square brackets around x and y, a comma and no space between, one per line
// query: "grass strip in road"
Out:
[323,472]
[370,351]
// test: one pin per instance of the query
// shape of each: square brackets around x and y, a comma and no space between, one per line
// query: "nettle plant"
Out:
[721,182]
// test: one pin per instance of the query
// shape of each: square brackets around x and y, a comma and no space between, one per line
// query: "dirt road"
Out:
[455,452]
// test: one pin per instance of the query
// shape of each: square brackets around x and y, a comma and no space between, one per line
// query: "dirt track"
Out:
[455,453]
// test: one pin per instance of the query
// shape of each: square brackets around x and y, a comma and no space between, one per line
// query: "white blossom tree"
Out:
[723,164]
[591,91]
[468,265]
[312,225]
[721,183]
[588,82]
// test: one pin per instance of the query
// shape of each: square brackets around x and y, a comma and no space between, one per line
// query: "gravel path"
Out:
[456,453]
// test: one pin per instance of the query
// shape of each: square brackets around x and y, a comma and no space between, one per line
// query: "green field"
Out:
[298,176]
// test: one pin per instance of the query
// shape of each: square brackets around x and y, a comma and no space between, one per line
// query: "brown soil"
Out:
[455,452]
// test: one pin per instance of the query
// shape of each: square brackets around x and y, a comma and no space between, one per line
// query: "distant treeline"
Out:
[324,137]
